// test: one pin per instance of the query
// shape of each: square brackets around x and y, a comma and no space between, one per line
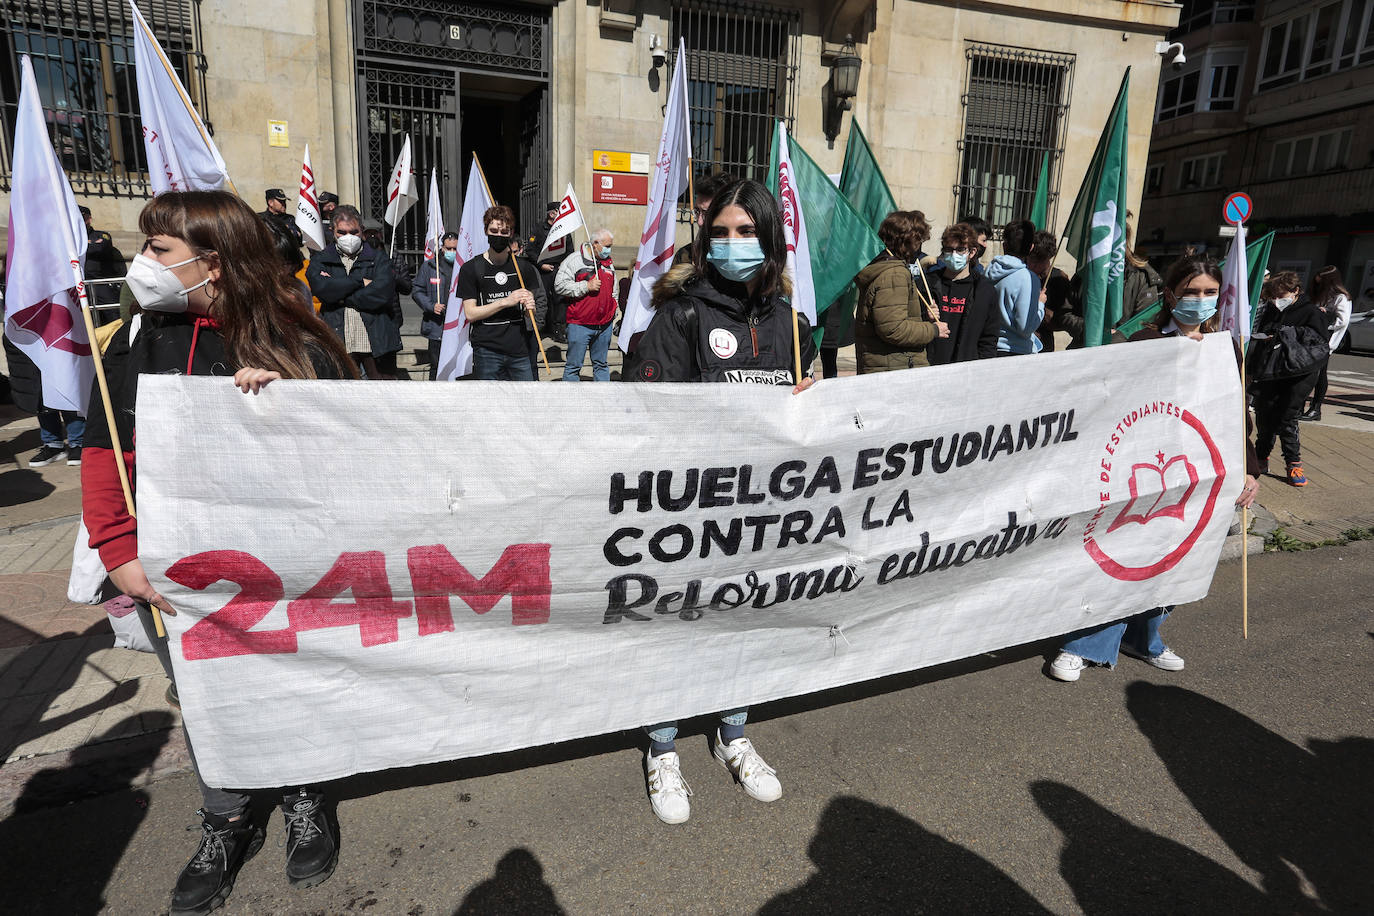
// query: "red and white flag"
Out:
[794,231]
[569,219]
[434,230]
[658,241]
[181,155]
[45,257]
[1233,302]
[308,208]
[455,348]
[400,189]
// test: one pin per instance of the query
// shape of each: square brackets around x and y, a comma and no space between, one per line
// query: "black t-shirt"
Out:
[953,301]
[486,282]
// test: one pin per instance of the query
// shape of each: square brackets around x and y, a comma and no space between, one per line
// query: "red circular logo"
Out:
[1162,513]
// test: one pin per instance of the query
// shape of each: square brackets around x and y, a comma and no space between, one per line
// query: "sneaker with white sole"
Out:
[757,778]
[1165,661]
[1067,666]
[48,454]
[668,791]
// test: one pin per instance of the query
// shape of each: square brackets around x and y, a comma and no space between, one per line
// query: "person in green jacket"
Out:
[894,319]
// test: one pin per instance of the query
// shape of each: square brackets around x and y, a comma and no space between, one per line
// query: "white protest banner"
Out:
[1234,299]
[401,194]
[569,219]
[308,207]
[434,218]
[561,561]
[455,346]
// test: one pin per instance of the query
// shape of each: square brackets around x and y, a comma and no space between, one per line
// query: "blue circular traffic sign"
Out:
[1237,208]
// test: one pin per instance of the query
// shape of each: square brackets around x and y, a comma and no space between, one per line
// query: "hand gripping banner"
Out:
[552,562]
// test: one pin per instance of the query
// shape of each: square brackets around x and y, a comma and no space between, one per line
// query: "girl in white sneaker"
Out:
[1189,309]
[735,283]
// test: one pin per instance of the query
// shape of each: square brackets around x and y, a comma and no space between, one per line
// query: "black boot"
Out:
[311,850]
[1314,414]
[208,878]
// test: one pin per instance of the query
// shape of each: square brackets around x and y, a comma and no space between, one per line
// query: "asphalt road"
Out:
[1240,785]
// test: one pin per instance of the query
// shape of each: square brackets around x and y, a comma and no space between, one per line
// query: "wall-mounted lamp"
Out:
[842,88]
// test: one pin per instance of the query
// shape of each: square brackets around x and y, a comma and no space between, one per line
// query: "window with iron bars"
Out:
[83,62]
[1016,105]
[741,78]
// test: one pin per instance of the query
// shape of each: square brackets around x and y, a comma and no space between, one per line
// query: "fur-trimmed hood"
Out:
[678,280]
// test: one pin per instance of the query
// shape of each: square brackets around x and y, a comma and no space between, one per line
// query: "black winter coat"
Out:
[976,336]
[338,289]
[707,329]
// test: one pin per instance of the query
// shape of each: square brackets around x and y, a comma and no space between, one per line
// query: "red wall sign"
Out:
[619,188]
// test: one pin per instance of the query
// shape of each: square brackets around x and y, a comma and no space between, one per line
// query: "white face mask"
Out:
[1283,303]
[349,245]
[155,286]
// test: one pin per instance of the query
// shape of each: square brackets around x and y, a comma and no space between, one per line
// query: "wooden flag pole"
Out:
[932,311]
[110,422]
[796,348]
[515,262]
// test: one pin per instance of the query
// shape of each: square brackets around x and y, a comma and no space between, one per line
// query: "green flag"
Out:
[863,185]
[838,239]
[1256,257]
[1097,226]
[1040,204]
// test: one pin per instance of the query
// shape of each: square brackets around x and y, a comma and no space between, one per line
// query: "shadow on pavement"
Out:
[23,486]
[517,887]
[1113,866]
[59,860]
[871,859]
[1301,817]
[25,668]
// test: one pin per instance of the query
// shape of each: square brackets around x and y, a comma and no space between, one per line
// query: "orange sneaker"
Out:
[1295,475]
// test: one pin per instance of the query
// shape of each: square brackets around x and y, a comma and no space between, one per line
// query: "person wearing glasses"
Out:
[966,300]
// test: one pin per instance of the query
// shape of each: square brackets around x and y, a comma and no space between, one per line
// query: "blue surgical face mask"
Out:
[450,255]
[955,262]
[605,253]
[736,259]
[1194,310]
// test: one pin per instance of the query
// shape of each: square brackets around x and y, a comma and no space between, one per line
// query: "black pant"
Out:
[1278,402]
[434,346]
[1319,393]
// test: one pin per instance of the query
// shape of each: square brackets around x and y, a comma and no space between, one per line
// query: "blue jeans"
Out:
[664,732]
[580,339]
[1100,644]
[490,365]
[57,426]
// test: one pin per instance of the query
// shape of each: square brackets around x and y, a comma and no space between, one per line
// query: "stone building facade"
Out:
[961,101]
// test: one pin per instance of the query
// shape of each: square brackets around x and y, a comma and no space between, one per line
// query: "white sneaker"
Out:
[1165,661]
[668,791]
[1067,666]
[756,777]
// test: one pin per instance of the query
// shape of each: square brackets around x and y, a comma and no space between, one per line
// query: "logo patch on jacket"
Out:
[723,343]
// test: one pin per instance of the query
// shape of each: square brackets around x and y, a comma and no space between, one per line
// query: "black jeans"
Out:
[1278,402]
[1319,393]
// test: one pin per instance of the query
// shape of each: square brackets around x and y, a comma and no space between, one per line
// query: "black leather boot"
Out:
[207,879]
[311,849]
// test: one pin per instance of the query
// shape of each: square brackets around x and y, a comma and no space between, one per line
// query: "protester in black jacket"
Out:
[728,320]
[361,281]
[966,299]
[1278,401]
[430,293]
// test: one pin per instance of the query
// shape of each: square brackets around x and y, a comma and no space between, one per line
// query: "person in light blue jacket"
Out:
[1018,291]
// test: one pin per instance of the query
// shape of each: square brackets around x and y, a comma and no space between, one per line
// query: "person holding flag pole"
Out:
[724,316]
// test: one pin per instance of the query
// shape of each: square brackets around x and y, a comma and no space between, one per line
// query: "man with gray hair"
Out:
[586,279]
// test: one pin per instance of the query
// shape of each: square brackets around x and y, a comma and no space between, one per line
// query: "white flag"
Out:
[794,232]
[569,218]
[657,242]
[434,231]
[1233,303]
[455,350]
[181,155]
[308,208]
[46,254]
[400,190]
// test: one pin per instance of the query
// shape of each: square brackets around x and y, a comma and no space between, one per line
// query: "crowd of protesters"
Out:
[218,289]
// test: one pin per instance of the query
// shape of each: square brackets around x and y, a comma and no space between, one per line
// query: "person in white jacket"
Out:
[1334,301]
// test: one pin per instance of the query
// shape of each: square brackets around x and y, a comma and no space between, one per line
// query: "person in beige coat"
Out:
[894,319]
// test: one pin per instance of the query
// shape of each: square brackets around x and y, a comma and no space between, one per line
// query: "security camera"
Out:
[660,53]
[1173,53]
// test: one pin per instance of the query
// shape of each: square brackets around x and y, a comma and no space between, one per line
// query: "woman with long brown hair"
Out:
[215,301]
[1333,300]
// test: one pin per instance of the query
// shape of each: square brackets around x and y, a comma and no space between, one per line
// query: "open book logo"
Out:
[1177,481]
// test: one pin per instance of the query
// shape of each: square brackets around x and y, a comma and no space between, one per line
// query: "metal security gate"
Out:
[423,105]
